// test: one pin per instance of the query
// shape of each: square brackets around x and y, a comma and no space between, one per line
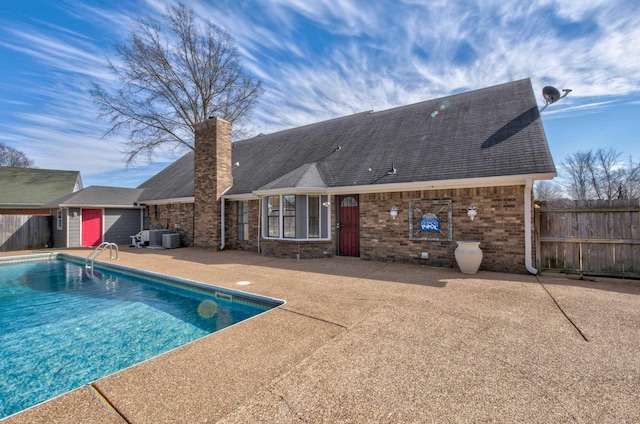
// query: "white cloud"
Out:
[370,55]
[582,108]
[74,55]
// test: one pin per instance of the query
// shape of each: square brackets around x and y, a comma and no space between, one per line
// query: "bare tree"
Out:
[628,177]
[601,175]
[547,190]
[577,176]
[172,77]
[14,157]
[604,178]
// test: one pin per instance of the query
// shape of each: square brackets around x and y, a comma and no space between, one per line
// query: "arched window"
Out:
[349,201]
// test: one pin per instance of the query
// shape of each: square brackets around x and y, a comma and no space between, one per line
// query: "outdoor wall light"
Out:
[326,204]
[393,212]
[472,211]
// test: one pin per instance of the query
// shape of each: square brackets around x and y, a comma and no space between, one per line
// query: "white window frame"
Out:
[327,225]
[319,216]
[243,212]
[269,216]
[287,215]
[59,222]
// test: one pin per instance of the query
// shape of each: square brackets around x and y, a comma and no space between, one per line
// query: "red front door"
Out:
[348,226]
[91,227]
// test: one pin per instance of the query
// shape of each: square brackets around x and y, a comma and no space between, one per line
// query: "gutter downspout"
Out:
[527,227]
[222,222]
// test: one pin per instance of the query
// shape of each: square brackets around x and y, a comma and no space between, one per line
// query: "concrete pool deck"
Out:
[361,341]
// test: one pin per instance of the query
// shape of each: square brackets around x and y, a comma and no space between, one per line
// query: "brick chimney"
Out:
[212,176]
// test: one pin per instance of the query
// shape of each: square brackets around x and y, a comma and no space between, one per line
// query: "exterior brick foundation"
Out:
[177,217]
[499,227]
[297,249]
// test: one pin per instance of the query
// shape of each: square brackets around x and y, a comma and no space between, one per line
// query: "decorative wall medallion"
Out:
[430,220]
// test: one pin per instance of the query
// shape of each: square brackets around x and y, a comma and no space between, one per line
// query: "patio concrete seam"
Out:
[289,407]
[313,317]
[105,403]
[584,336]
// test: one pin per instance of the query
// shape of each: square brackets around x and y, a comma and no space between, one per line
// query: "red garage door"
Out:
[91,227]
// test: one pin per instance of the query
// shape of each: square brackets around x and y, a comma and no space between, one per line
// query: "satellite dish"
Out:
[551,94]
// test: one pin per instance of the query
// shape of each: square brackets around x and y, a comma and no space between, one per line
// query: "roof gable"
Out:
[32,187]
[305,177]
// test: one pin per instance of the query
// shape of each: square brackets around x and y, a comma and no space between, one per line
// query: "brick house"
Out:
[394,185]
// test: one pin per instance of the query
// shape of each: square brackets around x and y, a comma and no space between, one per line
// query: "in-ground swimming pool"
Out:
[64,325]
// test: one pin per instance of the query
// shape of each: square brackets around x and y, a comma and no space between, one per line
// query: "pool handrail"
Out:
[98,250]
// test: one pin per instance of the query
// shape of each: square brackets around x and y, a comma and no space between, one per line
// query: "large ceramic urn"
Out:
[468,256]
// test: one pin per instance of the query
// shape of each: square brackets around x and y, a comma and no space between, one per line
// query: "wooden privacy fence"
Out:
[590,236]
[24,232]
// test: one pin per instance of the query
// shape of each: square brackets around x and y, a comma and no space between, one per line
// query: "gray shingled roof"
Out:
[33,187]
[491,132]
[100,196]
[173,182]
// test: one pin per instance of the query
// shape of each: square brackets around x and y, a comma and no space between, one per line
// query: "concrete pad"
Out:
[382,342]
[205,380]
[83,405]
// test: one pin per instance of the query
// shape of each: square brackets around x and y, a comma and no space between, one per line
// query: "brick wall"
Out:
[177,217]
[499,227]
[212,176]
[231,233]
[297,249]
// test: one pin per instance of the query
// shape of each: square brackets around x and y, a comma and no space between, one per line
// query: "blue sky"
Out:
[327,58]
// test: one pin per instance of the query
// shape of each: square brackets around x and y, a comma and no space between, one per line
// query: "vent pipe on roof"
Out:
[393,170]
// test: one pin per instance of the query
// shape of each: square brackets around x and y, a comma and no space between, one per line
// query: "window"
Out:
[273,216]
[289,216]
[296,217]
[59,219]
[314,217]
[157,211]
[349,201]
[243,220]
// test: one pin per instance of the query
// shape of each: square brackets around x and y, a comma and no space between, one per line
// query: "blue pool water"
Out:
[63,326]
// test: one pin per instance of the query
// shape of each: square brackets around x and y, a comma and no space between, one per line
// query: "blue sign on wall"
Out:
[430,224]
